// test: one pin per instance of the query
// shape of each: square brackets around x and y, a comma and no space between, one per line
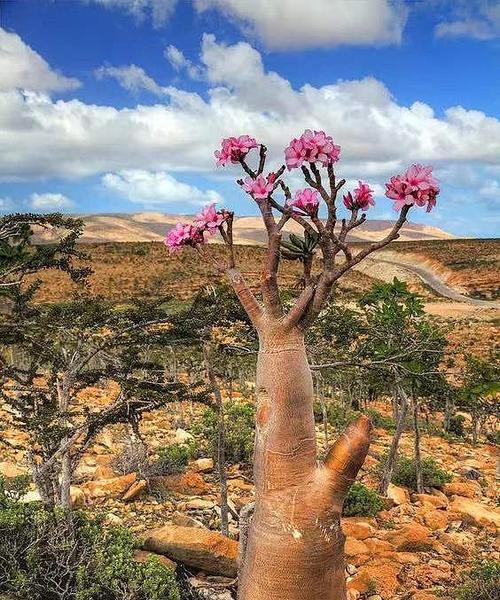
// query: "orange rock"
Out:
[203,465]
[431,500]
[436,519]
[77,497]
[103,472]
[480,514]
[411,538]
[353,527]
[376,546]
[187,484]
[399,495]
[112,488]
[135,490]
[200,549]
[382,575]
[239,484]
[436,572]
[466,489]
[354,547]
[141,556]
[8,469]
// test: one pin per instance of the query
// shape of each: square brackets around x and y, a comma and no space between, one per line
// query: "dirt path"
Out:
[436,283]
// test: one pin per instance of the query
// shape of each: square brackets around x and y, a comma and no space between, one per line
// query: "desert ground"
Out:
[418,545]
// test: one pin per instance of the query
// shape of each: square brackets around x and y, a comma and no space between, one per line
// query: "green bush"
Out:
[481,583]
[380,420]
[239,420]
[361,502]
[338,416]
[172,459]
[53,555]
[405,473]
[456,426]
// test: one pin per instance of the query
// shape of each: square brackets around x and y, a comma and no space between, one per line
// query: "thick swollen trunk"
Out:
[295,544]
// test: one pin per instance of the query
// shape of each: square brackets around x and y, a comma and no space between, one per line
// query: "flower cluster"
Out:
[233,149]
[415,186]
[260,187]
[362,199]
[186,234]
[311,147]
[305,201]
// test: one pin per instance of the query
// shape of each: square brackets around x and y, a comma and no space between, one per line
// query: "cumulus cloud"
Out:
[478,19]
[22,67]
[156,187]
[130,77]
[48,201]
[180,63]
[282,24]
[159,11]
[379,136]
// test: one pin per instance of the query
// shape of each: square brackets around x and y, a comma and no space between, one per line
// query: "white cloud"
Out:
[50,201]
[130,77]
[180,63]
[156,187]
[159,11]
[41,138]
[478,19]
[289,24]
[22,67]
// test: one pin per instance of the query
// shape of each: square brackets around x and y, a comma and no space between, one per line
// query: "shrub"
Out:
[405,472]
[361,502]
[240,431]
[481,583]
[57,556]
[132,459]
[172,459]
[338,416]
[380,420]
[456,425]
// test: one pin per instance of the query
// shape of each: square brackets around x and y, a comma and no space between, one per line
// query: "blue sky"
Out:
[118,105]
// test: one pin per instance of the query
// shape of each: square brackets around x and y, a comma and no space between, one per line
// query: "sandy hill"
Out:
[152,226]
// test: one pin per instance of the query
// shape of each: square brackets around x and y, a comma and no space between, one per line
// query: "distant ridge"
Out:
[152,227]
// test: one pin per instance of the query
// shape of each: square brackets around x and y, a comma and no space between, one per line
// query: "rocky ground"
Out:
[416,548]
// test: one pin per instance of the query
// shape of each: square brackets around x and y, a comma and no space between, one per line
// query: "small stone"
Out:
[398,495]
[203,465]
[182,436]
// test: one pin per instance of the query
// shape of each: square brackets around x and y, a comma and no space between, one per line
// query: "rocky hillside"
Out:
[415,548]
[150,226]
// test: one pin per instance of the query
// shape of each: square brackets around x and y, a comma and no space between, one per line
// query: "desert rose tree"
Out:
[295,543]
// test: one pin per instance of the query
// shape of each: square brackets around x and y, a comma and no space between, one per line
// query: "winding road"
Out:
[437,284]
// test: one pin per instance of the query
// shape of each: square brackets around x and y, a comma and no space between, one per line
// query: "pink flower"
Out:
[363,198]
[306,201]
[209,219]
[183,234]
[234,149]
[260,187]
[415,186]
[311,147]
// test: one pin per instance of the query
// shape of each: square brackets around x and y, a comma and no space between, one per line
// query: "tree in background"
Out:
[51,356]
[295,544]
[479,393]
[20,258]
[407,348]
[216,328]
